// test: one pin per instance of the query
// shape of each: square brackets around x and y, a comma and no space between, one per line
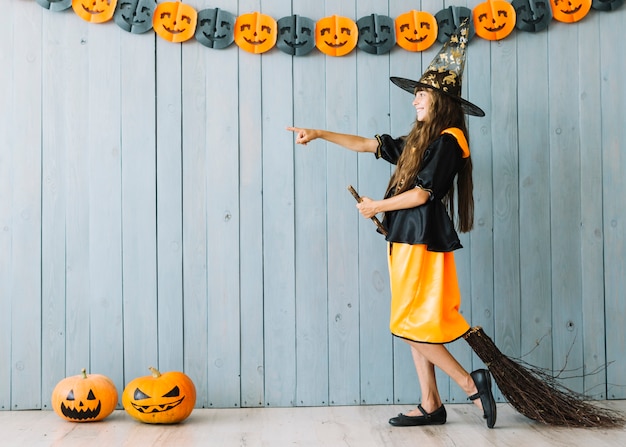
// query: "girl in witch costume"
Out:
[421,235]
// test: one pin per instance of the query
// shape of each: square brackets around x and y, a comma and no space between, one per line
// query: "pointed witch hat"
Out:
[445,72]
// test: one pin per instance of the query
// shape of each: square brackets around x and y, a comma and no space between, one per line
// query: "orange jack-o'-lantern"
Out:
[416,30]
[570,11]
[94,11]
[84,398]
[165,398]
[336,35]
[175,21]
[494,19]
[255,32]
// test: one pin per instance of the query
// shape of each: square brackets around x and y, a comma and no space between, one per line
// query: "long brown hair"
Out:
[445,112]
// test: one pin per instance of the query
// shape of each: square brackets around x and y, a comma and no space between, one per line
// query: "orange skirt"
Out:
[425,295]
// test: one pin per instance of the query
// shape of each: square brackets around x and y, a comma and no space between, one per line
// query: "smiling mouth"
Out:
[418,40]
[573,11]
[534,22]
[295,44]
[172,31]
[376,44]
[496,29]
[335,45]
[254,42]
[92,11]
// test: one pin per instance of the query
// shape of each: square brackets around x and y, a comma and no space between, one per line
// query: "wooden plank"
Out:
[254,376]
[25,284]
[314,322]
[613,139]
[565,199]
[7,57]
[105,203]
[506,197]
[373,85]
[139,222]
[477,89]
[170,212]
[402,115]
[534,203]
[592,253]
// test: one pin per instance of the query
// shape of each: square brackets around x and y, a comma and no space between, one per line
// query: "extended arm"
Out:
[352,142]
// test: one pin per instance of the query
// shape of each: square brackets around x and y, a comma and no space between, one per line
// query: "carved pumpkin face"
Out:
[255,32]
[376,34]
[296,35]
[216,28]
[165,398]
[494,19]
[55,5]
[175,21]
[450,18]
[416,30]
[135,16]
[606,5]
[84,398]
[336,35]
[570,11]
[532,15]
[94,11]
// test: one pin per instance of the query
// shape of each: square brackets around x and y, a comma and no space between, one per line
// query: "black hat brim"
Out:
[410,86]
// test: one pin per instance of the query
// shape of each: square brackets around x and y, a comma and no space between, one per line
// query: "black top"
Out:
[429,223]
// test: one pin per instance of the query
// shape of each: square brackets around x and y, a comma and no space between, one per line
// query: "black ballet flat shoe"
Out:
[437,417]
[482,379]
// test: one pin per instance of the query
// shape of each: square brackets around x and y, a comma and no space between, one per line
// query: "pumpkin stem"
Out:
[155,372]
[84,372]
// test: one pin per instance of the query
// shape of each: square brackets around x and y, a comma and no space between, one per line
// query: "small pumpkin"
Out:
[336,35]
[377,34]
[450,18]
[165,398]
[216,28]
[296,35]
[135,16]
[175,21]
[255,32]
[532,15]
[494,19]
[570,11]
[55,5]
[416,30]
[94,11]
[84,398]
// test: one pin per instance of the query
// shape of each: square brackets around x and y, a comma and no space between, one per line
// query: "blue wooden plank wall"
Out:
[154,211]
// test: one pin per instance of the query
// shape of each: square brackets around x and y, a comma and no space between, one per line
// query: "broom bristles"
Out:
[536,394]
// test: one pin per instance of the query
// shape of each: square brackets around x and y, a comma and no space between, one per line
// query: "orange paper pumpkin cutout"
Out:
[494,19]
[255,32]
[175,21]
[570,11]
[94,11]
[336,35]
[416,30]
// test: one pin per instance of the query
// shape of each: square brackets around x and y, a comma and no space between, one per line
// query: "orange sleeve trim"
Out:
[460,138]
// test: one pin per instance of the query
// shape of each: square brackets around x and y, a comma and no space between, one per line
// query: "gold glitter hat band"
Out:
[445,72]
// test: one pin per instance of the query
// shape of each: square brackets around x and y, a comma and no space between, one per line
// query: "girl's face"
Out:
[423,105]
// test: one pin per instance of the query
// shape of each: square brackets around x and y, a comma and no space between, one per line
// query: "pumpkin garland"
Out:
[177,22]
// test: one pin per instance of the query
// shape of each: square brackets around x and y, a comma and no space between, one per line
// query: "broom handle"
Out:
[374,218]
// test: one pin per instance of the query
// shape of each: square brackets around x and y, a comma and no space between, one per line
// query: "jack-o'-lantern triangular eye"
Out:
[138,395]
[91,396]
[70,395]
[174,392]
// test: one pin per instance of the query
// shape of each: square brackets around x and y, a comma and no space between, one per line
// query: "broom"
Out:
[530,390]
[535,393]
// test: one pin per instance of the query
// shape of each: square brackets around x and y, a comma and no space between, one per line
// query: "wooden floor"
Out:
[362,426]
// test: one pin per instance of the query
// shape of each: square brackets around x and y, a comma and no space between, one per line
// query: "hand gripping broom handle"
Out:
[374,218]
